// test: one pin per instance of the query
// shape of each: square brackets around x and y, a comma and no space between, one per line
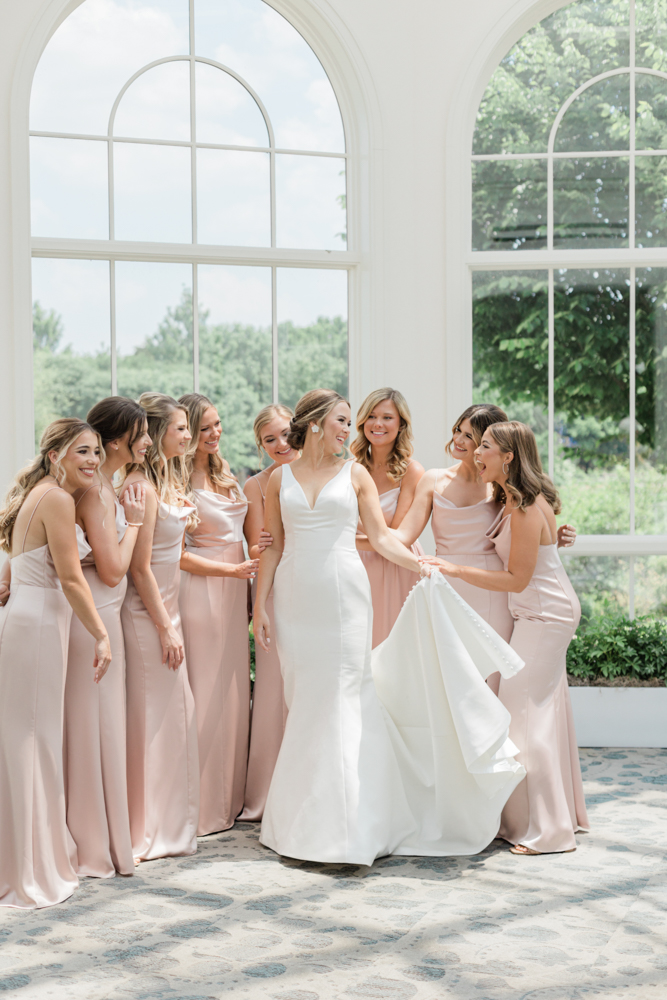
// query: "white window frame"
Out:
[461,266]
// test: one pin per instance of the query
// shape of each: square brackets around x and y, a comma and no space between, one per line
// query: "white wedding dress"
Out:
[407,753]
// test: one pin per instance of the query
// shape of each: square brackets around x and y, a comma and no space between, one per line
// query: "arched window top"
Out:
[104,43]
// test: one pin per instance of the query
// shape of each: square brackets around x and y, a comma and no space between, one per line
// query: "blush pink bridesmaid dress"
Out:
[214,611]
[162,760]
[548,808]
[94,748]
[37,855]
[390,584]
[267,723]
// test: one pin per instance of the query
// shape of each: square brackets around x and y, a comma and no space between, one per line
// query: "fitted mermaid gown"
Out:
[407,755]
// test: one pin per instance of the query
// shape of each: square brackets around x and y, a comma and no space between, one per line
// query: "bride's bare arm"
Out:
[379,535]
[417,517]
[269,559]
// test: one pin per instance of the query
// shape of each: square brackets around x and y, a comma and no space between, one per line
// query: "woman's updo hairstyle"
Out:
[264,417]
[313,408]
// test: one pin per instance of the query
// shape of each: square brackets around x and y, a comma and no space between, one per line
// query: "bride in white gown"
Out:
[426,767]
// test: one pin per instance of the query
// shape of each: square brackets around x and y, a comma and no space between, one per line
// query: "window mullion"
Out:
[551,369]
[112,323]
[275,394]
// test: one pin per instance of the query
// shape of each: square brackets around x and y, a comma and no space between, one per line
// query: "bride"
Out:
[408,754]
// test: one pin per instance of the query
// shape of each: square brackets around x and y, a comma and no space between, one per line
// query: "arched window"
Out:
[186,151]
[569,244]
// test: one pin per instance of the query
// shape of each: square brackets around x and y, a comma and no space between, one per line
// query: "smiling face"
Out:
[80,462]
[382,424]
[463,443]
[490,459]
[135,454]
[177,435]
[274,441]
[336,429]
[209,432]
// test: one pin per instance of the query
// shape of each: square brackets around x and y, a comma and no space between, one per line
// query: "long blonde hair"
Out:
[59,437]
[167,476]
[264,417]
[196,405]
[313,408]
[525,480]
[401,453]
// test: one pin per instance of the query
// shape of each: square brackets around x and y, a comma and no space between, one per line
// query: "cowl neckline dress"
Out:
[546,810]
[403,752]
[214,611]
[390,584]
[37,854]
[95,735]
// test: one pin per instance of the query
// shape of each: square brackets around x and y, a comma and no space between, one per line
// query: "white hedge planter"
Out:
[620,717]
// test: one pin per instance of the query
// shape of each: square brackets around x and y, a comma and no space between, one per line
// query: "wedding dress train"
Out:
[406,752]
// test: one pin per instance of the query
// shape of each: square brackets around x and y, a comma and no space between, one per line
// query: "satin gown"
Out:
[214,611]
[548,807]
[390,584]
[95,736]
[37,855]
[424,768]
[162,760]
[267,723]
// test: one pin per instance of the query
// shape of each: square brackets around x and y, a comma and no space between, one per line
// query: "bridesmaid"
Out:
[547,809]
[269,711]
[94,750]
[162,761]
[38,529]
[214,610]
[384,447]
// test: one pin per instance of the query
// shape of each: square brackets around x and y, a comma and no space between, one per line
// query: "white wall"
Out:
[409,76]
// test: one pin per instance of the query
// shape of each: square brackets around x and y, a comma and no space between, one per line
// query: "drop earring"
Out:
[505,471]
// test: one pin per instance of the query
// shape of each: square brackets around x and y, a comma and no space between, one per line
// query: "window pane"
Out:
[152,193]
[651,34]
[510,346]
[509,204]
[602,583]
[157,104]
[235,368]
[310,202]
[154,328]
[591,203]
[227,114]
[651,98]
[261,46]
[544,68]
[651,402]
[94,52]
[72,367]
[233,197]
[650,585]
[69,192]
[598,119]
[591,398]
[312,331]
[651,201]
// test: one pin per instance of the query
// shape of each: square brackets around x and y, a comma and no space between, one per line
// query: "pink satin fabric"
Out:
[390,584]
[37,855]
[95,737]
[548,807]
[267,725]
[214,611]
[162,761]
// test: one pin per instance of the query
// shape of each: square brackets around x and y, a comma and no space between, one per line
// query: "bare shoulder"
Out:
[135,477]
[360,476]
[55,501]
[275,479]
[429,479]
[252,489]
[96,498]
[414,473]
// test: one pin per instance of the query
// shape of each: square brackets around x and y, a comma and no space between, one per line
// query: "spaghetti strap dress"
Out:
[214,611]
[162,759]
[546,810]
[390,584]
[37,855]
[267,721]
[95,735]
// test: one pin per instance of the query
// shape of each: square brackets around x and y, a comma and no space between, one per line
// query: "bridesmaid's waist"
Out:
[220,551]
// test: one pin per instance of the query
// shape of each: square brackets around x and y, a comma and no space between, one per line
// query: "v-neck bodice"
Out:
[330,523]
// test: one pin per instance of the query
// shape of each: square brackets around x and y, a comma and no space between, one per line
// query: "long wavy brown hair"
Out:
[196,406]
[526,479]
[59,437]
[167,476]
[401,453]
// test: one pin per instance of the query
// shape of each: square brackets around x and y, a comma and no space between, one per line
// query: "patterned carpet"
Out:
[236,919]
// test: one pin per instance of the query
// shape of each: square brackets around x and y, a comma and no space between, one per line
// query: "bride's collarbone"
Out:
[312,480]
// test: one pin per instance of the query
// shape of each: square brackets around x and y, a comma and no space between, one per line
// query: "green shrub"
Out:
[613,645]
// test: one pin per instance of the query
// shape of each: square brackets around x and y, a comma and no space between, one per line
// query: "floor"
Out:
[236,919]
